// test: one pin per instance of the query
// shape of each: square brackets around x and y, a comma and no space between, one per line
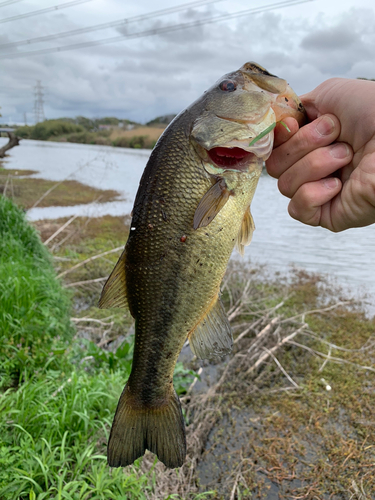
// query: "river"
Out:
[279,241]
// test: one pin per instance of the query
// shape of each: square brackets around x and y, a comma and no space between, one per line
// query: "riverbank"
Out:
[290,412]
[288,415]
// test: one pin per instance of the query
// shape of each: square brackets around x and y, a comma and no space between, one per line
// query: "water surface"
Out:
[279,241]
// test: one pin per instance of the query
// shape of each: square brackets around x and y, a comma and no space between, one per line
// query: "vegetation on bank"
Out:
[34,312]
[59,390]
[257,432]
[105,132]
[300,424]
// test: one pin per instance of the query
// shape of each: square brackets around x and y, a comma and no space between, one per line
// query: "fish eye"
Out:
[228,85]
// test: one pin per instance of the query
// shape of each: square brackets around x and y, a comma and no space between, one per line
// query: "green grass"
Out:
[34,312]
[53,436]
[58,393]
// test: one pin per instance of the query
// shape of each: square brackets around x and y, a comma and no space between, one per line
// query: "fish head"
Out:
[235,129]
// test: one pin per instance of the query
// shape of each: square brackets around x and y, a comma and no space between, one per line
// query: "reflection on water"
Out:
[278,240]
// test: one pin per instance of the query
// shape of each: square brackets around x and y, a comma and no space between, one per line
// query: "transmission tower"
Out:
[38,103]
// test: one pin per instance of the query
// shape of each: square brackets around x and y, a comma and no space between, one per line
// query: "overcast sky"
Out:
[145,77]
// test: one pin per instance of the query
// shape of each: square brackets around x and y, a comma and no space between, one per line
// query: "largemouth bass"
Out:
[191,209]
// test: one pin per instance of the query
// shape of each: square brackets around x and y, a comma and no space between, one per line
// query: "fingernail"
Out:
[330,182]
[325,126]
[339,150]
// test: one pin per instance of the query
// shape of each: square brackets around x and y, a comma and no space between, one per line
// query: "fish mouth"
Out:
[234,158]
[240,155]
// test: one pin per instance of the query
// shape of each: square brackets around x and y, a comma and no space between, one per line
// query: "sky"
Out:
[143,77]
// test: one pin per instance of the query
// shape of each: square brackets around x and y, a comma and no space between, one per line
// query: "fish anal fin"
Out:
[114,290]
[137,428]
[211,204]
[245,234]
[212,336]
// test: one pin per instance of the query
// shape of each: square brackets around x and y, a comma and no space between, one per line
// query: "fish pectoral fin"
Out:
[114,290]
[245,235]
[135,429]
[212,336]
[211,204]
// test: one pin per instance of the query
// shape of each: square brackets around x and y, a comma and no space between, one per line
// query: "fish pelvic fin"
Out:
[212,336]
[245,234]
[137,428]
[211,204]
[114,291]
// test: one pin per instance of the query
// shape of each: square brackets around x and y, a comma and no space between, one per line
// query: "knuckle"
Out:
[306,196]
[285,184]
[315,163]
[271,165]
[276,164]
[307,137]
[305,214]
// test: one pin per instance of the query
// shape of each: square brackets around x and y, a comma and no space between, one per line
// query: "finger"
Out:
[317,134]
[282,134]
[309,202]
[314,166]
[309,103]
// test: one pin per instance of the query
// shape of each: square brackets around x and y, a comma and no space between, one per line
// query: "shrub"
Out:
[50,128]
[82,137]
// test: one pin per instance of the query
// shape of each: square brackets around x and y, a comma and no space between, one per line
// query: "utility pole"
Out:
[38,103]
[25,117]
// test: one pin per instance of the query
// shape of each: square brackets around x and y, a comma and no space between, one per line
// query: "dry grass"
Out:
[267,423]
[152,133]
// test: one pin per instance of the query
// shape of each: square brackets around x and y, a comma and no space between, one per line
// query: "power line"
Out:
[43,11]
[158,31]
[9,2]
[112,24]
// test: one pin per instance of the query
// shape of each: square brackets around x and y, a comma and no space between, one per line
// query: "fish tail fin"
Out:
[136,428]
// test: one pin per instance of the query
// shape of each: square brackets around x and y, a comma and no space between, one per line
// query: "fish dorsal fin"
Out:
[212,336]
[246,232]
[211,204]
[114,290]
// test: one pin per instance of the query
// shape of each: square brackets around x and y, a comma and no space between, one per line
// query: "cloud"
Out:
[145,77]
[337,47]
[329,39]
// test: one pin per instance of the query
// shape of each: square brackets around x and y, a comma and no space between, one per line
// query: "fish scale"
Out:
[188,215]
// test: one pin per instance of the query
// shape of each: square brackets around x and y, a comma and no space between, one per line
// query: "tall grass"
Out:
[34,310]
[53,440]
[58,393]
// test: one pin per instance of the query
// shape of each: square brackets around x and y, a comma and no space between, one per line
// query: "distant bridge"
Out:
[7,130]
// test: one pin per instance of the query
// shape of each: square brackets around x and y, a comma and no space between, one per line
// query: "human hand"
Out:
[327,167]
